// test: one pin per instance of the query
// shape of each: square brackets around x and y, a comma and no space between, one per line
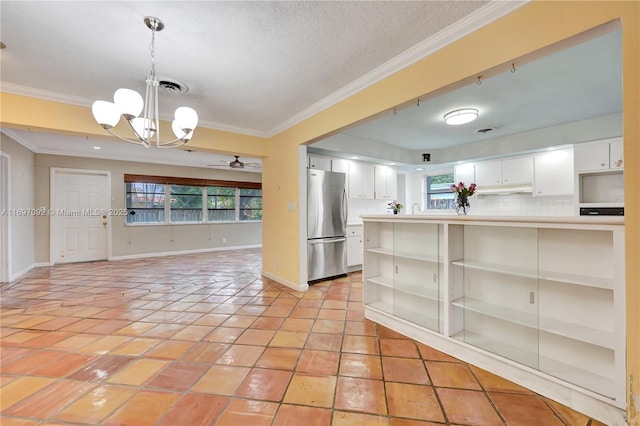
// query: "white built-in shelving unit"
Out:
[538,301]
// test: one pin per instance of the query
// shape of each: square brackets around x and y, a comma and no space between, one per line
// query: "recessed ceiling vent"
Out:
[485,130]
[173,86]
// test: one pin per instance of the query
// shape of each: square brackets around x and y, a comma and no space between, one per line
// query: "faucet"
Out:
[413,208]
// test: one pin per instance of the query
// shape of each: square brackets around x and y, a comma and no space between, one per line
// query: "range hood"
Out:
[525,188]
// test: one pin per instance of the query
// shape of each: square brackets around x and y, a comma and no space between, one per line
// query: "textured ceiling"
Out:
[260,67]
[250,66]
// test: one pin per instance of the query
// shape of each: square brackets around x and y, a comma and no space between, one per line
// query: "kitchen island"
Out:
[537,300]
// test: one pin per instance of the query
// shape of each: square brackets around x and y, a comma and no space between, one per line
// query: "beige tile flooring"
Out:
[205,340]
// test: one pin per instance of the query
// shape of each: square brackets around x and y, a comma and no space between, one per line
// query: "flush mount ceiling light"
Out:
[460,116]
[129,104]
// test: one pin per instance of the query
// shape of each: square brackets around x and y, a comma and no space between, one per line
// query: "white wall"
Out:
[21,228]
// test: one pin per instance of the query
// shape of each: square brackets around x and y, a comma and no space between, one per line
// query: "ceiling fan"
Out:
[237,164]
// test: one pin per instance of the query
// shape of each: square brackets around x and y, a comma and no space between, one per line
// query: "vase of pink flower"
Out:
[462,196]
[395,206]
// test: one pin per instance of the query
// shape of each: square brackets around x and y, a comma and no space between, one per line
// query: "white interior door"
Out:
[79,215]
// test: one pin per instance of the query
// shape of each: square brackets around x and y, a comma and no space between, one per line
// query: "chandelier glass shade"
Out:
[142,114]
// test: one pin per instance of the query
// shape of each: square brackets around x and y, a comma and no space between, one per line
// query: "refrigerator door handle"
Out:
[327,240]
[345,206]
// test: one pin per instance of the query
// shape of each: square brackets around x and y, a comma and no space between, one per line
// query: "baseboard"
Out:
[563,392]
[18,274]
[290,284]
[181,252]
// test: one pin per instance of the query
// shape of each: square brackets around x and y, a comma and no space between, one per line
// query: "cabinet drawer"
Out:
[354,230]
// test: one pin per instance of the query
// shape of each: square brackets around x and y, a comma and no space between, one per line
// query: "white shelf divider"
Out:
[405,287]
[531,320]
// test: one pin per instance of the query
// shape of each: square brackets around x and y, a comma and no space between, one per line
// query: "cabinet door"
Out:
[488,173]
[616,160]
[320,163]
[553,173]
[386,183]
[354,250]
[517,170]
[360,179]
[591,156]
[354,180]
[367,179]
[464,173]
[340,165]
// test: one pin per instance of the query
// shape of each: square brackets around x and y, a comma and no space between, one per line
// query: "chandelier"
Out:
[129,105]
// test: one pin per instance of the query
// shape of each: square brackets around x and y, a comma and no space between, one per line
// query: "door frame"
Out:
[5,220]
[52,196]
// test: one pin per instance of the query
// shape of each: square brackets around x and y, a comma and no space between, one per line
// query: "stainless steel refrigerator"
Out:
[326,224]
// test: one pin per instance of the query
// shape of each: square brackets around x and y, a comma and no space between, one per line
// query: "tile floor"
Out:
[205,340]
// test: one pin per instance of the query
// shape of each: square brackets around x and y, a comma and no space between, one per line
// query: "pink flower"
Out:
[462,190]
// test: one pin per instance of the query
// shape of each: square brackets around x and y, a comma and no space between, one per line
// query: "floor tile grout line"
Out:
[337,296]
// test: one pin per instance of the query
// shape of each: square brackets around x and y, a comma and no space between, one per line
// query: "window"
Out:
[250,204]
[221,203]
[164,200]
[145,202]
[186,203]
[439,194]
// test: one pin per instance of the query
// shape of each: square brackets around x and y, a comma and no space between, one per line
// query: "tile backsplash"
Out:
[485,205]
[523,205]
[358,207]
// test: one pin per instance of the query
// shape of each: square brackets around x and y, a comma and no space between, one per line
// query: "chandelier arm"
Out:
[173,144]
[144,141]
[137,142]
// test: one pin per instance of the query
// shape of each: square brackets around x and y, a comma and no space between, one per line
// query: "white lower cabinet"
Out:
[540,303]
[354,245]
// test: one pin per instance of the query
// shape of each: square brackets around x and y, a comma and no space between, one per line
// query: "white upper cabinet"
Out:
[488,173]
[386,183]
[517,170]
[553,173]
[340,165]
[616,158]
[361,180]
[464,173]
[510,171]
[599,155]
[320,163]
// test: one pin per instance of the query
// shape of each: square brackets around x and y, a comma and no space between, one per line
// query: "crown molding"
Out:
[492,11]
[48,95]
[18,138]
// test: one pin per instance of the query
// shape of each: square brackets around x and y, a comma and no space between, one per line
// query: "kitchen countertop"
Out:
[579,220]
